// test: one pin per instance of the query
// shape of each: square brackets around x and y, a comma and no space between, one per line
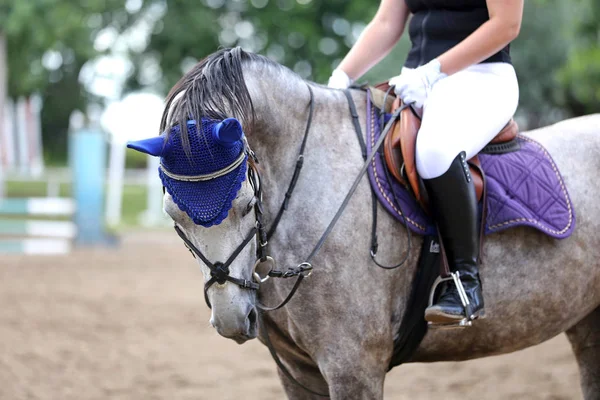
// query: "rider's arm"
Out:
[503,27]
[377,39]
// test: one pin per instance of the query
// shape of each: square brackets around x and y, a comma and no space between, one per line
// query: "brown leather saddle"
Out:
[399,148]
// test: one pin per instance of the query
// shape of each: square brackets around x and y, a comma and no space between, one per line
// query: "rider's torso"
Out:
[438,25]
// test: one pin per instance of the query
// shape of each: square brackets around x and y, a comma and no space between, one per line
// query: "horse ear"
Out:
[153,146]
[227,132]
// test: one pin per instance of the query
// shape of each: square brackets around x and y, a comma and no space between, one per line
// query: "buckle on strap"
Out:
[246,284]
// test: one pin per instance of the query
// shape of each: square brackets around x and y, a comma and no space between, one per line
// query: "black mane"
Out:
[213,87]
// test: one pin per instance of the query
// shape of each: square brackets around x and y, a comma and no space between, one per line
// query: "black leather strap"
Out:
[350,193]
[363,149]
[220,271]
[356,123]
[262,307]
[297,170]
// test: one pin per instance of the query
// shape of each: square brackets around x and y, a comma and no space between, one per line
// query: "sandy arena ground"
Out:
[132,324]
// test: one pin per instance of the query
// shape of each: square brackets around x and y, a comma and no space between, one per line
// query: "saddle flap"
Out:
[392,148]
[409,128]
[399,149]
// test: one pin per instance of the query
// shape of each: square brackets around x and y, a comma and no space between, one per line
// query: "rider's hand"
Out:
[414,85]
[339,80]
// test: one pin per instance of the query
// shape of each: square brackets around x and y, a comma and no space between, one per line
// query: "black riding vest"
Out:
[438,25]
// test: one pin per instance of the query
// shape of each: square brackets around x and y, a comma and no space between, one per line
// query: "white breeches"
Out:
[464,112]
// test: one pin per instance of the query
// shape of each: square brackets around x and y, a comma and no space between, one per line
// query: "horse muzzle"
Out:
[238,326]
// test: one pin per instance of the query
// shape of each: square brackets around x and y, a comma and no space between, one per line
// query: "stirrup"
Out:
[468,317]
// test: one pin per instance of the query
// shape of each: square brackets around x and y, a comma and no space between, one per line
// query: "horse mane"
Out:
[214,88]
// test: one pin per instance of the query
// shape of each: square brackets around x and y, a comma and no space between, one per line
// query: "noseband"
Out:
[219,272]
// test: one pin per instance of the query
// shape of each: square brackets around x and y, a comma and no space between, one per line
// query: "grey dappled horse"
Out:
[336,334]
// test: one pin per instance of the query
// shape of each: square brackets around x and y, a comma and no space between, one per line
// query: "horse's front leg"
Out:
[346,366]
[341,378]
[355,380]
[312,380]
[356,369]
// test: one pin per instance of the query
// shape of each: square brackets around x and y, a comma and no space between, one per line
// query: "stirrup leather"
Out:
[468,317]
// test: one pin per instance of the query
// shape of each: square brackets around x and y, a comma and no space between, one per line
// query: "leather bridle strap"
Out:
[219,272]
[363,170]
[363,150]
[303,269]
[363,147]
[299,165]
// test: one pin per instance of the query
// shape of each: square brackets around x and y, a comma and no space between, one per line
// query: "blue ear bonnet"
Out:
[205,185]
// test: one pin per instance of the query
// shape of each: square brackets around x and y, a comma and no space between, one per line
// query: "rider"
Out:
[459,76]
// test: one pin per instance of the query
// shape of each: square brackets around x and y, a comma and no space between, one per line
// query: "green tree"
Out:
[48,43]
[309,36]
[580,76]
[538,54]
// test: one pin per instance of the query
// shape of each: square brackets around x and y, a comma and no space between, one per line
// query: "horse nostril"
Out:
[252,317]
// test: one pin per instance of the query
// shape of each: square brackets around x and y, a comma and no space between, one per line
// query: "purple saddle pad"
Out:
[524,188]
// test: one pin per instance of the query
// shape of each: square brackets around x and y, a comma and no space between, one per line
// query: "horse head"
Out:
[211,193]
[212,185]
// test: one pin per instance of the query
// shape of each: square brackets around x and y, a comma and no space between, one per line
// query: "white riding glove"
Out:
[339,80]
[414,85]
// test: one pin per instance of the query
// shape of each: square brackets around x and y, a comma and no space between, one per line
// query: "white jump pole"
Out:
[22,137]
[37,156]
[9,136]
[154,211]
[3,134]
[116,172]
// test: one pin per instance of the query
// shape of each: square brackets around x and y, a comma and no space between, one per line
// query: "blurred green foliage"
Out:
[580,76]
[136,160]
[557,55]
[49,42]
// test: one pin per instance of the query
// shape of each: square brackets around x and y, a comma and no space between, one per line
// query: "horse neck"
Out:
[281,104]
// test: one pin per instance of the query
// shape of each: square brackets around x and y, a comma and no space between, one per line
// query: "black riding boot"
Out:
[454,203]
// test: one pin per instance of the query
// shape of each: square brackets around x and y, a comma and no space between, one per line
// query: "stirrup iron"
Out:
[462,294]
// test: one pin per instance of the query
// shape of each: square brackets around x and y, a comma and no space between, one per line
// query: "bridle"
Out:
[219,271]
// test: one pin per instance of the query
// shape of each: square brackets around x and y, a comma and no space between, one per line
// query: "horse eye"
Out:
[249,207]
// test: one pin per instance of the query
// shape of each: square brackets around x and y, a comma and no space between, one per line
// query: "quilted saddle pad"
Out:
[524,188]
